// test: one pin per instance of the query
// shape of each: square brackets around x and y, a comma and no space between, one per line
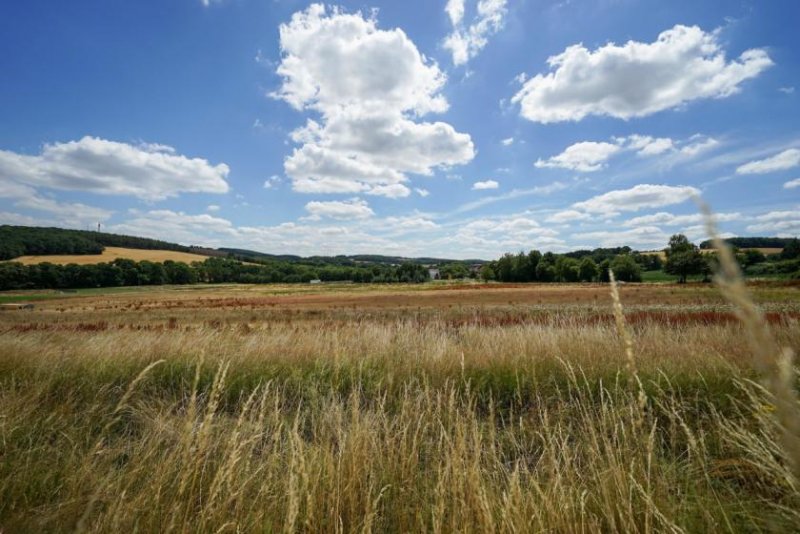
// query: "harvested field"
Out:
[112,253]
[763,250]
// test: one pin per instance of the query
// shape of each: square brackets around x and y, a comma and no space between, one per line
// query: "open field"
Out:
[763,250]
[112,253]
[439,407]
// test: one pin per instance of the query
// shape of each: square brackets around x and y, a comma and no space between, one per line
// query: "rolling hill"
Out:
[110,254]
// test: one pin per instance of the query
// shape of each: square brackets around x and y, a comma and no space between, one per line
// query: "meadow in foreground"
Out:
[214,413]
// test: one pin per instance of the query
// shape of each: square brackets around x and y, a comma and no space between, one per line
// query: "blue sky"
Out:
[455,128]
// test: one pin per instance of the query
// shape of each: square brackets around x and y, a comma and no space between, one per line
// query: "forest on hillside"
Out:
[124,272]
[752,242]
[18,241]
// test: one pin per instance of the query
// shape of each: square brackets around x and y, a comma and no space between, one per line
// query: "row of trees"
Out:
[683,259]
[124,272]
[753,242]
[549,267]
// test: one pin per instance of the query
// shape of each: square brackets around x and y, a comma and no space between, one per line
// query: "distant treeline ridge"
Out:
[18,241]
[125,272]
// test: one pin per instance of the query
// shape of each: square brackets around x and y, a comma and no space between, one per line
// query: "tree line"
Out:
[752,242]
[125,272]
[577,266]
[683,259]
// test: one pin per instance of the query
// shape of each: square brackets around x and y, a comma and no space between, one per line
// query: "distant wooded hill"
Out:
[251,255]
[752,242]
[16,241]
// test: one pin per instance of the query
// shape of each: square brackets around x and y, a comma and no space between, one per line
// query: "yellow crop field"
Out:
[112,253]
[763,250]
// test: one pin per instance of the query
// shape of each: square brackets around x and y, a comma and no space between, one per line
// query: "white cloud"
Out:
[156,147]
[455,10]
[93,165]
[791,184]
[272,181]
[777,216]
[644,145]
[568,216]
[67,211]
[177,227]
[212,208]
[669,219]
[304,239]
[422,192]
[698,144]
[591,156]
[539,190]
[413,234]
[465,42]
[486,184]
[699,232]
[410,223]
[778,223]
[636,79]
[343,210]
[638,197]
[73,215]
[10,189]
[369,86]
[493,236]
[648,237]
[7,217]
[508,141]
[586,156]
[389,191]
[786,90]
[787,159]
[512,224]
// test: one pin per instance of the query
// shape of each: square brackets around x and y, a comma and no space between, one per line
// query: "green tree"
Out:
[534,257]
[683,258]
[604,266]
[567,269]
[752,256]
[545,270]
[588,270]
[791,250]
[626,269]
[504,269]
[487,273]
[453,271]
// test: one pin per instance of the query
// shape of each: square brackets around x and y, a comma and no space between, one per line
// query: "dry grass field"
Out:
[763,250]
[112,253]
[441,408]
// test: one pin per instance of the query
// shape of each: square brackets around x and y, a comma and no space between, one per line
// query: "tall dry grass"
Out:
[774,361]
[389,425]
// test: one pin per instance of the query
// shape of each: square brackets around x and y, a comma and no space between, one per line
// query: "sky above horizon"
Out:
[447,128]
